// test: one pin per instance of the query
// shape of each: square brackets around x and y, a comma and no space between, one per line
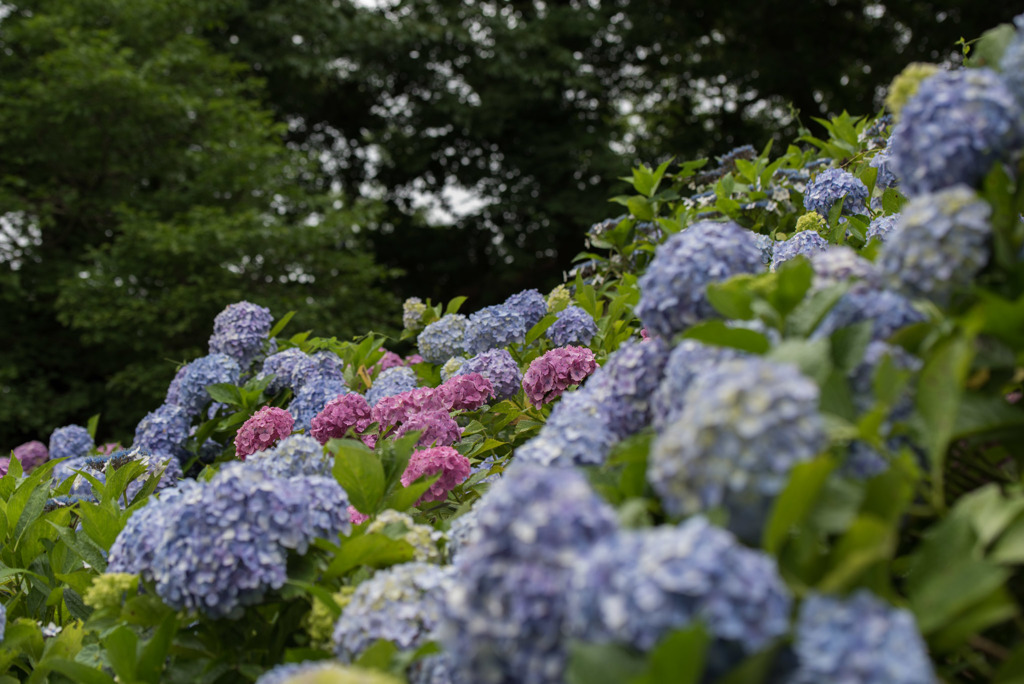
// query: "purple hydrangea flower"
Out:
[954,129]
[402,604]
[240,331]
[806,242]
[939,245]
[673,291]
[391,382]
[443,339]
[880,227]
[32,454]
[832,185]
[216,547]
[859,640]
[639,585]
[163,432]
[262,430]
[574,326]
[348,412]
[499,368]
[3,621]
[5,465]
[627,382]
[554,372]
[70,441]
[530,304]
[312,397]
[465,392]
[887,311]
[453,466]
[438,428]
[689,358]
[743,426]
[287,367]
[506,612]
[188,389]
[494,327]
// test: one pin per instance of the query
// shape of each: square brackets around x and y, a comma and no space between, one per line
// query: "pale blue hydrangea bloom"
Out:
[637,586]
[494,327]
[293,456]
[881,227]
[390,382]
[859,640]
[744,425]
[831,185]
[443,339]
[312,397]
[939,245]
[402,604]
[530,304]
[462,533]
[577,432]
[574,326]
[839,263]
[500,368]
[626,383]
[957,125]
[689,358]
[70,441]
[805,243]
[287,366]
[163,432]
[767,246]
[240,331]
[883,162]
[673,290]
[188,389]
[887,311]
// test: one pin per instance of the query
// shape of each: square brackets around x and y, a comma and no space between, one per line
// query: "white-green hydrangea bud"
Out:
[812,220]
[412,313]
[451,367]
[905,85]
[422,538]
[320,619]
[109,590]
[559,299]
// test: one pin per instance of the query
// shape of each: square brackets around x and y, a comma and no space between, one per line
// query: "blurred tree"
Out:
[144,188]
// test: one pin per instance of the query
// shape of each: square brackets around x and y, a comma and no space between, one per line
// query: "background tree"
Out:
[144,188]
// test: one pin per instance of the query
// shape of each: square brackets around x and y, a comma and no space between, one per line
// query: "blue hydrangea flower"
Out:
[328,365]
[494,327]
[240,331]
[293,456]
[880,227]
[806,242]
[101,465]
[574,326]
[838,264]
[391,382]
[743,426]
[689,358]
[216,547]
[832,185]
[887,311]
[402,604]
[287,366]
[462,533]
[638,585]
[673,290]
[70,441]
[500,368]
[188,389]
[506,613]
[443,339]
[311,398]
[530,304]
[577,432]
[626,383]
[860,640]
[1011,64]
[71,467]
[767,246]
[163,432]
[954,129]
[438,668]
[883,162]
[939,245]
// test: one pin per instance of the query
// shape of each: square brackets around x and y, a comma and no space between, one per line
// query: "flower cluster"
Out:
[858,640]
[939,245]
[466,391]
[216,547]
[499,368]
[437,428]
[451,367]
[239,331]
[188,389]
[833,185]
[453,466]
[443,339]
[627,382]
[638,585]
[163,432]
[293,456]
[957,125]
[743,426]
[264,428]
[413,309]
[806,243]
[684,362]
[839,263]
[322,672]
[422,538]
[494,327]
[290,368]
[389,360]
[576,433]
[530,305]
[391,382]
[883,162]
[70,441]
[813,221]
[312,397]
[347,412]
[887,311]
[880,227]
[673,290]
[396,409]
[558,299]
[573,326]
[554,372]
[32,455]
[402,604]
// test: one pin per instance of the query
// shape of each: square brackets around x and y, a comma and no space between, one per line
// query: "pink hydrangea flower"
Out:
[108,448]
[355,517]
[413,359]
[556,371]
[389,360]
[31,455]
[396,409]
[263,430]
[5,464]
[644,335]
[344,413]
[453,466]
[466,392]
[438,428]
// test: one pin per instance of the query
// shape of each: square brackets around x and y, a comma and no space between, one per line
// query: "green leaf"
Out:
[640,207]
[359,472]
[33,509]
[602,664]
[733,297]
[678,658]
[374,550]
[540,328]
[279,326]
[226,393]
[867,542]
[806,316]
[153,654]
[454,305]
[796,501]
[719,334]
[78,672]
[792,281]
[91,426]
[83,546]
[939,392]
[892,201]
[121,646]
[378,656]
[76,606]
[404,498]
